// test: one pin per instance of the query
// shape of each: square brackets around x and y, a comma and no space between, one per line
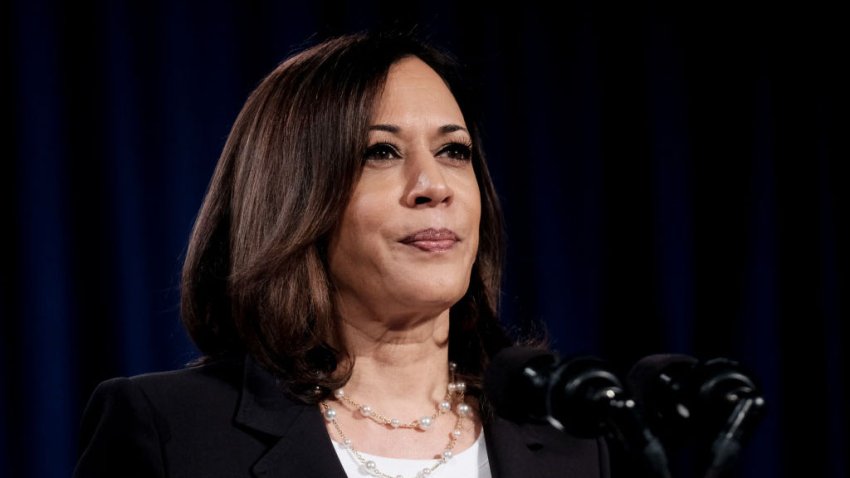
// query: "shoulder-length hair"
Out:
[255,278]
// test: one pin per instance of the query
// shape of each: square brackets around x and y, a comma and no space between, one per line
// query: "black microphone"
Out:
[716,399]
[581,396]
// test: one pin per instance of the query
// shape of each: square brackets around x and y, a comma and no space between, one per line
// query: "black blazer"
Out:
[230,419]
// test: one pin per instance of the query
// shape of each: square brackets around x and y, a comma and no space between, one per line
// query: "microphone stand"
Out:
[727,445]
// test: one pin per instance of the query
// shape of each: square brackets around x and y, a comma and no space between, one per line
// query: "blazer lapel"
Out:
[303,447]
[508,449]
[302,452]
[523,450]
[299,445]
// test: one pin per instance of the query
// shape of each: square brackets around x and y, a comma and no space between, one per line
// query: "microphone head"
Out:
[581,396]
[660,384]
[532,384]
[681,396]
[517,382]
[719,384]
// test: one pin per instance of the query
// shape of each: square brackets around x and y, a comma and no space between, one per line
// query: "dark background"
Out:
[671,178]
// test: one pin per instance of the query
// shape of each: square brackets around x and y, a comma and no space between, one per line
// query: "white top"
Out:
[470,463]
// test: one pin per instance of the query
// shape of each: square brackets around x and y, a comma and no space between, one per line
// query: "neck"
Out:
[400,368]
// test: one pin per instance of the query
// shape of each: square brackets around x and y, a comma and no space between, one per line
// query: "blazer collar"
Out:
[303,448]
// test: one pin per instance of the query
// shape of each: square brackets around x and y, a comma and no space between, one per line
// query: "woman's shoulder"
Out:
[161,420]
[212,375]
[194,393]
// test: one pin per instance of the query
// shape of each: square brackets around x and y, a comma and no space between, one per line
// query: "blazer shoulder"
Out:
[118,432]
[220,378]
[136,426]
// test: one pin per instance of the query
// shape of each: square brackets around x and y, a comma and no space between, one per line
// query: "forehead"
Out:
[414,92]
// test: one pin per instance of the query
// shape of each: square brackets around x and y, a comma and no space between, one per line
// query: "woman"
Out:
[341,281]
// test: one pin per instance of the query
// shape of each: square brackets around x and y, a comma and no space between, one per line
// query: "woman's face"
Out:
[409,235]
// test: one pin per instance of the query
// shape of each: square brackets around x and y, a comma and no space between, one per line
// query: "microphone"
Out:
[579,396]
[680,394]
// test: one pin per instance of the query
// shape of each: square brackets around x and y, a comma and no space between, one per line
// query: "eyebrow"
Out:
[391,128]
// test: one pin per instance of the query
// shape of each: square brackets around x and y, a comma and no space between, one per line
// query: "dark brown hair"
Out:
[255,278]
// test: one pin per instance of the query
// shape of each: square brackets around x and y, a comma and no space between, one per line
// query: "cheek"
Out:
[469,201]
[361,228]
[477,215]
[474,207]
[364,216]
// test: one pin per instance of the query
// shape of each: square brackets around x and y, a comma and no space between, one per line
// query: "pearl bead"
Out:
[463,409]
[424,422]
[447,454]
[330,414]
[460,386]
[456,433]
[370,465]
[452,386]
[347,442]
[445,406]
[452,366]
[339,393]
[395,423]
[366,411]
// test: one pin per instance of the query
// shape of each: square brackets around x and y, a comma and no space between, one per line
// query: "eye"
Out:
[381,152]
[457,151]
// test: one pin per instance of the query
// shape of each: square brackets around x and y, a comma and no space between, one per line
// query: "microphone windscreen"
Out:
[647,374]
[509,381]
[661,385]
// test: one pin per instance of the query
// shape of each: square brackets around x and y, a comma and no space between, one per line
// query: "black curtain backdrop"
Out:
[670,175]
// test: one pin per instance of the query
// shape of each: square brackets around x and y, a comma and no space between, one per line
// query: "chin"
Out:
[434,293]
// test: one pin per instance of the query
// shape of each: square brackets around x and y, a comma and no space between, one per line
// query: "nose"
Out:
[427,185]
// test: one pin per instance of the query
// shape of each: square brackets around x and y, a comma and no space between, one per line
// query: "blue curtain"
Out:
[671,179]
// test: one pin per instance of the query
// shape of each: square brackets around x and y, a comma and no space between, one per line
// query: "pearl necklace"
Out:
[454,393]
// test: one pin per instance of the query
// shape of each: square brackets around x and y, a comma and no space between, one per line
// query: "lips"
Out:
[432,240]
